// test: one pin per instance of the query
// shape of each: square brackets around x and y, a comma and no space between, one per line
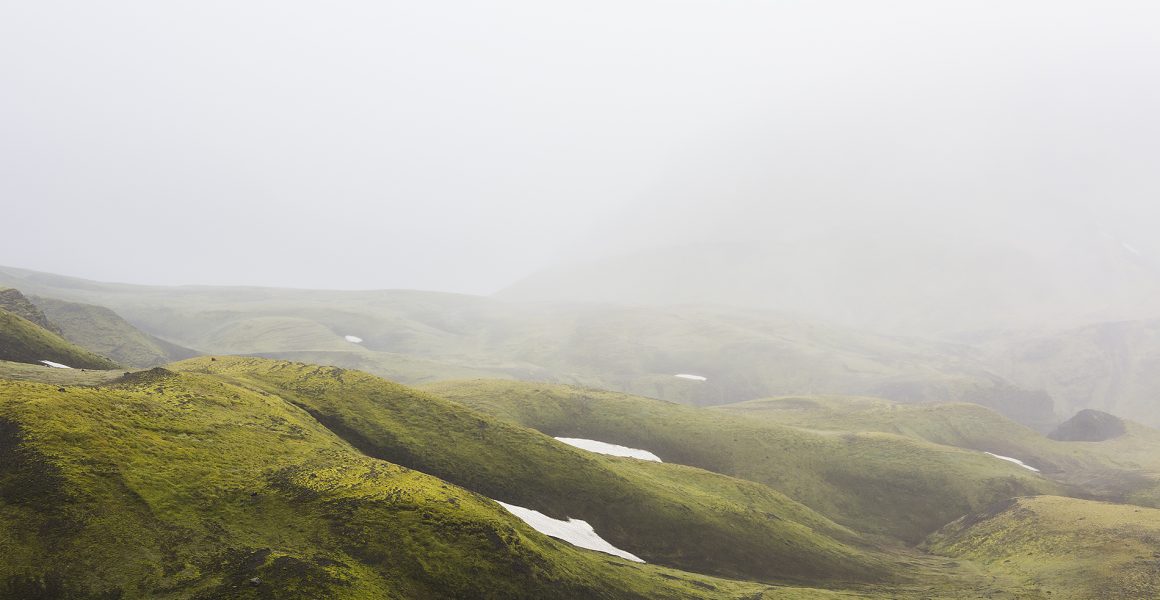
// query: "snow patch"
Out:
[610,449]
[55,365]
[691,377]
[1014,460]
[354,339]
[1130,248]
[574,531]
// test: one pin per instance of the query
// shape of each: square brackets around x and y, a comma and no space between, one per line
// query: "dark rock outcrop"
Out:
[1089,426]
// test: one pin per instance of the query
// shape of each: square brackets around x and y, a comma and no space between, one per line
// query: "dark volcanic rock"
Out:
[1089,426]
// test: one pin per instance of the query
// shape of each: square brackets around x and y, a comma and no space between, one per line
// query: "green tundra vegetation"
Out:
[101,330]
[22,340]
[876,482]
[230,477]
[166,484]
[415,337]
[1072,548]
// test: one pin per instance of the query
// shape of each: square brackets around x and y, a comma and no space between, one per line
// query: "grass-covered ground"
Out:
[1074,549]
[882,483]
[419,336]
[1124,468]
[251,478]
[664,513]
[186,485]
[23,341]
[101,330]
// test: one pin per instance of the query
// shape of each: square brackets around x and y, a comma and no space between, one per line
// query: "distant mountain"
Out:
[1111,367]
[890,282]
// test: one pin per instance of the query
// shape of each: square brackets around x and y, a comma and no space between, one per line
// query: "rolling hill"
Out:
[23,341]
[882,483]
[426,336]
[188,485]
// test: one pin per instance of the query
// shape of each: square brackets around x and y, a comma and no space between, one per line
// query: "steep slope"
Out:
[663,513]
[13,301]
[1070,548]
[876,482]
[102,331]
[24,341]
[167,485]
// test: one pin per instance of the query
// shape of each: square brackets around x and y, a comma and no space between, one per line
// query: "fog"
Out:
[463,146]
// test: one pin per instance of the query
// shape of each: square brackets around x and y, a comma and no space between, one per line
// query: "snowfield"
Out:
[610,449]
[354,339]
[55,365]
[691,377]
[574,531]
[1015,460]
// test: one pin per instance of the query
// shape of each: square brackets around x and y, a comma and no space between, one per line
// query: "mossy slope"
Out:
[1071,548]
[872,481]
[22,340]
[103,331]
[1123,468]
[664,513]
[166,485]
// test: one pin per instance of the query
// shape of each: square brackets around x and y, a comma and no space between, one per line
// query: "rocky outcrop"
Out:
[1089,426]
[16,303]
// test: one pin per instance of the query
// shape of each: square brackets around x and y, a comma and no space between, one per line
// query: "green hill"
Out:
[185,485]
[668,514]
[425,336]
[101,330]
[1070,548]
[1123,468]
[23,341]
[13,301]
[871,481]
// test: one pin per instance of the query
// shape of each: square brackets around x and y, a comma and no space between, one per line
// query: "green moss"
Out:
[874,482]
[177,485]
[24,341]
[664,513]
[1071,548]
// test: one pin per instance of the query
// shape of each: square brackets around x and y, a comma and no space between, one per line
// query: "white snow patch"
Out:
[1130,248]
[574,531]
[354,339]
[55,365]
[1015,460]
[691,377]
[611,449]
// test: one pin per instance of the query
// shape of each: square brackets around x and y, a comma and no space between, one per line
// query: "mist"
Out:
[463,146]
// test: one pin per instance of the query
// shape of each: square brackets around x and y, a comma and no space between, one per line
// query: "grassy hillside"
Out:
[745,354]
[1125,468]
[663,513]
[24,341]
[165,485]
[15,302]
[1072,548]
[877,482]
[102,331]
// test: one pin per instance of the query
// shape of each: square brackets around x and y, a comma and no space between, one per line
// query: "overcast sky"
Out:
[461,145]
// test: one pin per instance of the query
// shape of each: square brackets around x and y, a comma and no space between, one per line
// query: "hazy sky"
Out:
[461,145]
